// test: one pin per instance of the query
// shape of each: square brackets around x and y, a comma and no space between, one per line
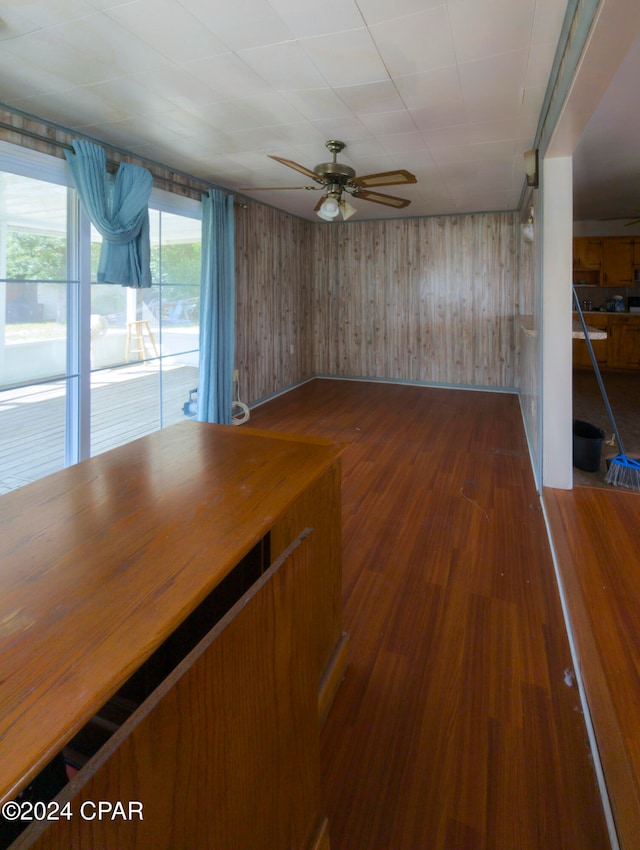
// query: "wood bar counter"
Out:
[193,576]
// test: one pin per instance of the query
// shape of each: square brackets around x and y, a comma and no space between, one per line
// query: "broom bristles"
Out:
[624,472]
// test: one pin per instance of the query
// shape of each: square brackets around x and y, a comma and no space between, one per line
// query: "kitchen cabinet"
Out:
[587,253]
[624,342]
[636,253]
[617,262]
[620,350]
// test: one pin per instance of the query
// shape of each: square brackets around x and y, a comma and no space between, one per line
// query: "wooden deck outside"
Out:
[459,723]
[125,405]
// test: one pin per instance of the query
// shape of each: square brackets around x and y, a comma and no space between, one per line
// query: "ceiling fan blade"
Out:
[275,188]
[385,178]
[377,198]
[635,221]
[297,167]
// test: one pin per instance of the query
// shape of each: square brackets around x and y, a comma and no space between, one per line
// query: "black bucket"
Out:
[587,445]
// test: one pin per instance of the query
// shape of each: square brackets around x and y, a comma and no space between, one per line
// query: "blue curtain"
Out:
[217,309]
[118,210]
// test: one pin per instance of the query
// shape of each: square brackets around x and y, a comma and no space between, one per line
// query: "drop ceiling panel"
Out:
[211,88]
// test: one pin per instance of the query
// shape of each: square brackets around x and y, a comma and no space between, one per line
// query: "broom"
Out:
[623,471]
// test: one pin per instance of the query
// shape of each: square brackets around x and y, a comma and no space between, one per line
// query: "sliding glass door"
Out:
[85,367]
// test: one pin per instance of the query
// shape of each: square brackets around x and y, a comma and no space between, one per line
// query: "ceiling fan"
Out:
[336,178]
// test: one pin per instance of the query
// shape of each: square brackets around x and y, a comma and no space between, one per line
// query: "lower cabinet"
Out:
[222,754]
[624,343]
[620,350]
[184,645]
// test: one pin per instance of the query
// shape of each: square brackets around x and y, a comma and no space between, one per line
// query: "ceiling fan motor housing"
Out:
[335,172]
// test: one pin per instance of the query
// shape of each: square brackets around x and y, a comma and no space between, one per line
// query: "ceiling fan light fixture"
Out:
[329,208]
[347,210]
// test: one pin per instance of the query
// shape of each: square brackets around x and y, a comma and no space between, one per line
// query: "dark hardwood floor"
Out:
[459,724]
[596,533]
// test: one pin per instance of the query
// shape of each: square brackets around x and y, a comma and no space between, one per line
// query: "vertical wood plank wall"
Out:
[273,285]
[425,299]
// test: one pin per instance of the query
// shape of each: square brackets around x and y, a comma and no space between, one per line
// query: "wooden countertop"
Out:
[100,562]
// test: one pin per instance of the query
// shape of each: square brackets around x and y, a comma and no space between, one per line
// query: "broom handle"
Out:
[596,369]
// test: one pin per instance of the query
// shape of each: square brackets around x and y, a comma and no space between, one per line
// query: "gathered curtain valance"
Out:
[119,211]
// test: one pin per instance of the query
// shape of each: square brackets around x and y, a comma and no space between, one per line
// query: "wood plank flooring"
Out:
[596,537]
[458,725]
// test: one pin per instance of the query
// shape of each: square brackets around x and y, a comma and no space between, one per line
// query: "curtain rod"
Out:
[39,137]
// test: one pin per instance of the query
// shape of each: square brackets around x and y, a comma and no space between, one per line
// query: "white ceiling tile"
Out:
[487,201]
[241,24]
[283,66]
[15,24]
[228,115]
[504,149]
[167,27]
[212,88]
[540,62]
[382,123]
[179,87]
[371,97]
[227,76]
[46,14]
[419,42]
[494,75]
[532,100]
[270,109]
[431,88]
[399,143]
[135,97]
[345,129]
[548,20]
[108,43]
[376,11]
[89,107]
[496,107]
[443,115]
[318,17]
[422,166]
[321,103]
[65,68]
[271,139]
[471,134]
[346,58]
[482,28]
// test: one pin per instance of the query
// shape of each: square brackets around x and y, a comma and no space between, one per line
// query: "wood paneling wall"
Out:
[426,299]
[273,285]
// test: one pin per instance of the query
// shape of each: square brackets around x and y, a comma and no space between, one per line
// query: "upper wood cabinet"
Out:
[617,261]
[636,253]
[587,253]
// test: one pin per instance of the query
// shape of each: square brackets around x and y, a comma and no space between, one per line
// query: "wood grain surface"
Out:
[596,533]
[429,299]
[459,723]
[101,562]
[224,754]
